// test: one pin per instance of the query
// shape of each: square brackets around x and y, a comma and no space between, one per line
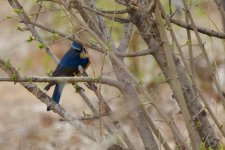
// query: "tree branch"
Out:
[128,28]
[117,19]
[113,12]
[101,80]
[202,30]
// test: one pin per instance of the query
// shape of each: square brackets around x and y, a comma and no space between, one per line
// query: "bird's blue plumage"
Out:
[68,66]
[57,92]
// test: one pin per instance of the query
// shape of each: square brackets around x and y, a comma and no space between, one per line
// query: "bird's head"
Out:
[78,47]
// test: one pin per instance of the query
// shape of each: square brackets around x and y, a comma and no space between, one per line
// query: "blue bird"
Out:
[68,66]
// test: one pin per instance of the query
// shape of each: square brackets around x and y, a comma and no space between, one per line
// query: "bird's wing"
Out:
[59,71]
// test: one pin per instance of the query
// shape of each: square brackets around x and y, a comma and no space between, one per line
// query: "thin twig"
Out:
[220,7]
[191,57]
[202,30]
[117,19]
[128,28]
[113,11]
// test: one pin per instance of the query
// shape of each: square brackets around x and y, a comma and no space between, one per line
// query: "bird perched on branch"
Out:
[69,65]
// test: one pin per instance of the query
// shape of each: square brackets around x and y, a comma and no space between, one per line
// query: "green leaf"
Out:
[188,42]
[35,1]
[54,37]
[29,79]
[18,69]
[167,27]
[17,10]
[202,146]
[19,28]
[141,83]
[14,77]
[30,39]
[93,43]
[210,148]
[41,45]
[49,73]
[9,17]
[7,63]
[97,79]
[86,114]
[198,124]
[76,86]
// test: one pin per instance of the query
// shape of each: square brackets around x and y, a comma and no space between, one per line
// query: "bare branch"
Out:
[117,19]
[220,7]
[101,80]
[202,30]
[113,12]
[128,28]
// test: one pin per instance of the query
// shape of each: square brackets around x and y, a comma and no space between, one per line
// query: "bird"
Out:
[69,65]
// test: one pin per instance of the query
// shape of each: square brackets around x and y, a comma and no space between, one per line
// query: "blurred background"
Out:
[24,121]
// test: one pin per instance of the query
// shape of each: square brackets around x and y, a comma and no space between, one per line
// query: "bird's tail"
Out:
[57,92]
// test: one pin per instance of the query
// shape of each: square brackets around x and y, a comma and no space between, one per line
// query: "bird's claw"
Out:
[53,106]
[49,107]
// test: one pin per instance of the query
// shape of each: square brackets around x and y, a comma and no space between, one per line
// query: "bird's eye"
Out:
[77,50]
